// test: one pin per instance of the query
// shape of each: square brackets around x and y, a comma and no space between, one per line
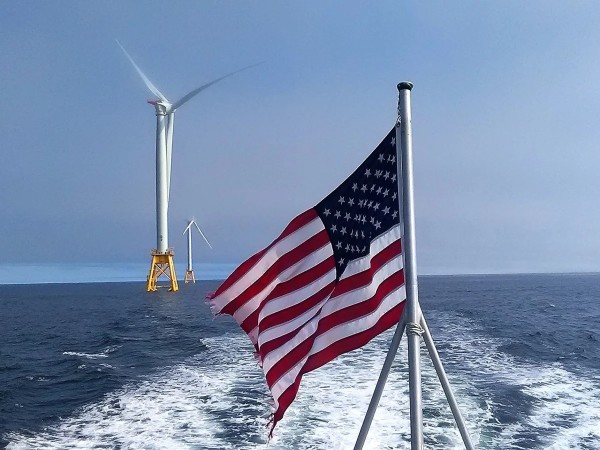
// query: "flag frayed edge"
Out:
[209,300]
[258,359]
[271,425]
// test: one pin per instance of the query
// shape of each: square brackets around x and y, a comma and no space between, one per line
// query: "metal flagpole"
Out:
[411,315]
[409,253]
[385,370]
[439,368]
[412,318]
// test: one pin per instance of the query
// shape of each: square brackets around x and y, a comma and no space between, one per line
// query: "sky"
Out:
[505,141]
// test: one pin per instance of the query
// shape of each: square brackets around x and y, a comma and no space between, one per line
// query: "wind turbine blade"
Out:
[148,83]
[202,234]
[187,97]
[188,227]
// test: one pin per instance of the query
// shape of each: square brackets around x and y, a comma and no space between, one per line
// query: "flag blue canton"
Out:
[364,206]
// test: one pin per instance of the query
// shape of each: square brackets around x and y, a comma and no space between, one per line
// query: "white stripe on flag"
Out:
[337,333]
[291,300]
[303,265]
[360,324]
[362,293]
[331,306]
[282,247]
[378,244]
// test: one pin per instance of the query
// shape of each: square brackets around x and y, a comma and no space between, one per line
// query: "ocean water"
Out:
[108,365]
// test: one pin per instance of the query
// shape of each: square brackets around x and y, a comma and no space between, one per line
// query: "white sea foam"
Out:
[39,379]
[178,407]
[333,401]
[86,355]
[219,400]
[104,354]
[564,405]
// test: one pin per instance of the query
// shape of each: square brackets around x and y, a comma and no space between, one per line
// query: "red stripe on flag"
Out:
[297,223]
[365,277]
[340,317]
[309,276]
[273,344]
[296,306]
[239,272]
[350,343]
[284,262]
[289,360]
[355,341]
[285,401]
[363,308]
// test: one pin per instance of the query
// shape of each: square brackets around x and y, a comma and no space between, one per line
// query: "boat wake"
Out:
[218,399]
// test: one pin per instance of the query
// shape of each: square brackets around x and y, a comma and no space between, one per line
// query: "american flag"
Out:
[331,282]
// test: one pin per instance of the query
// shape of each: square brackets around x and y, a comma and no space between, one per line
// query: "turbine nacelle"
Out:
[191,222]
[163,107]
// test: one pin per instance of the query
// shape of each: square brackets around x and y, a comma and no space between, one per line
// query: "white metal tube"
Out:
[171,121]
[162,227]
[385,370]
[405,181]
[189,249]
[439,368]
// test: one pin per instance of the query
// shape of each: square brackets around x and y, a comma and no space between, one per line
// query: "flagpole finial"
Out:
[405,85]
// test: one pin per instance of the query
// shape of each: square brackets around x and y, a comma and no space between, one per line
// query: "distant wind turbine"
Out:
[189,274]
[162,256]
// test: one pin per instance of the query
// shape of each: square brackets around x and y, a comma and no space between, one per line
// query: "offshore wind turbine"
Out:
[162,255]
[189,274]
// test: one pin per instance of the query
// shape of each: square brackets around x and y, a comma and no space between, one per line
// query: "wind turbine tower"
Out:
[162,255]
[189,274]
